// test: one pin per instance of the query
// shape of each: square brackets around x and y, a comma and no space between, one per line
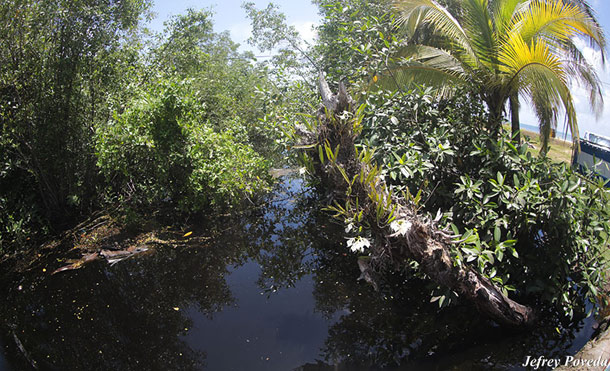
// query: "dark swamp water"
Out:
[272,289]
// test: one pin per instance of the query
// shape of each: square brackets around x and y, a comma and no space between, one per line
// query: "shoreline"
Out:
[560,149]
[532,133]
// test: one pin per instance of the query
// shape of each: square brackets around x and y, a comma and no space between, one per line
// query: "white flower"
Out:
[401,227]
[357,244]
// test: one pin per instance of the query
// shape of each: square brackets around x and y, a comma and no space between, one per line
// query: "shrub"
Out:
[160,149]
[533,226]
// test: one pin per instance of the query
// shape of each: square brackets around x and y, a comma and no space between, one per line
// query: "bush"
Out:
[160,149]
[533,226]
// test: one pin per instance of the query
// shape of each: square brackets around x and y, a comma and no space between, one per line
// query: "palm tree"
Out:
[505,49]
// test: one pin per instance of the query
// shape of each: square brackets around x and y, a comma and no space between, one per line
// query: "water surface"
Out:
[269,288]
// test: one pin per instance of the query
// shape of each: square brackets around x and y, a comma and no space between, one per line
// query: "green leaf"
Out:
[516,181]
[500,178]
[497,234]
[321,154]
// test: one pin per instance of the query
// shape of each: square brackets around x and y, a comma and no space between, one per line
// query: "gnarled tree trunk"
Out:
[417,239]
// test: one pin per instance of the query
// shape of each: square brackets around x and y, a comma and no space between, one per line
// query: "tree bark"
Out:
[495,104]
[514,117]
[419,240]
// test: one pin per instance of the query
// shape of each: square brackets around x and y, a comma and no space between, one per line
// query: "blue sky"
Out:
[303,15]
[229,16]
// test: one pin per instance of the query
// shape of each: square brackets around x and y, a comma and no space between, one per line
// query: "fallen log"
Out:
[356,181]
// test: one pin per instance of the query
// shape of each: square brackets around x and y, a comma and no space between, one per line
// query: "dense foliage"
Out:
[96,114]
[535,227]
[59,62]
[162,148]
[354,37]
[509,210]
[358,40]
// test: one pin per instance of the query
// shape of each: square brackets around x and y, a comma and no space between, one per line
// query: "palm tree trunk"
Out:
[514,117]
[495,104]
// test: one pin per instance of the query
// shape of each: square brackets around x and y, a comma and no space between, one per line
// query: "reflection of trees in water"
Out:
[399,325]
[292,229]
[131,316]
[124,317]
[127,317]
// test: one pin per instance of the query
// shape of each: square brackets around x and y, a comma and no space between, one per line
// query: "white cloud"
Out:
[593,56]
[307,30]
[240,32]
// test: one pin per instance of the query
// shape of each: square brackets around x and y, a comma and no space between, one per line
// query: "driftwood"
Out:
[416,238]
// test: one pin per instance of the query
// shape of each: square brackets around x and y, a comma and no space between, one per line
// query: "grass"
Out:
[560,150]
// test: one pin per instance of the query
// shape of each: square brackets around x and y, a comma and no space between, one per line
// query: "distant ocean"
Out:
[559,135]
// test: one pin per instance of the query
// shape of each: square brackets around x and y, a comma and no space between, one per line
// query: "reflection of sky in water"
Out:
[275,331]
[270,330]
[285,200]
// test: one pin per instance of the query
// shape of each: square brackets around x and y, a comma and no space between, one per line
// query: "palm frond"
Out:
[600,40]
[504,11]
[432,57]
[480,29]
[548,101]
[550,96]
[515,55]
[409,77]
[423,65]
[414,13]
[410,22]
[582,72]
[547,119]
[555,20]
